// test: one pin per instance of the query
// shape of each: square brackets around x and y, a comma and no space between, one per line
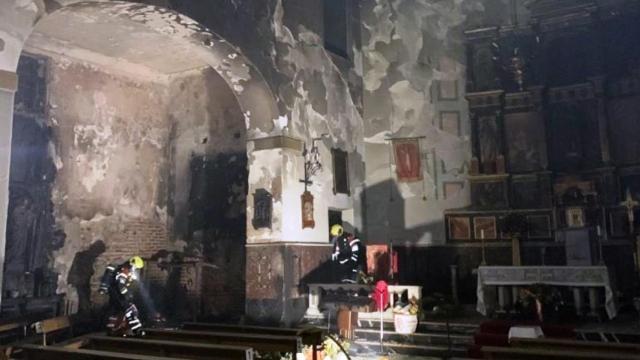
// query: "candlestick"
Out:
[599,238]
[484,259]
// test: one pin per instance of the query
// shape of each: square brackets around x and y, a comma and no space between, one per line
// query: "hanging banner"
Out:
[407,157]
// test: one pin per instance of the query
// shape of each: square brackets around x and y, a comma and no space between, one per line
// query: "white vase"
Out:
[405,324]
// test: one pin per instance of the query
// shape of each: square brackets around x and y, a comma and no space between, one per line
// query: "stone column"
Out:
[603,132]
[8,86]
[593,302]
[454,283]
[515,251]
[502,294]
[577,299]
[283,258]
[315,297]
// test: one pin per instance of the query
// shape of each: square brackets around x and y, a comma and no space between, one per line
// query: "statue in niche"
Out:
[516,67]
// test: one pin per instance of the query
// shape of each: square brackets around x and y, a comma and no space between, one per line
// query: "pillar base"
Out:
[276,278]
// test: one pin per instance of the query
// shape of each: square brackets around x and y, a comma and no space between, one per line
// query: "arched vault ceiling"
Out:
[99,36]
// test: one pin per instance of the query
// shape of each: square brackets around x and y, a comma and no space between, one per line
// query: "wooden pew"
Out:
[167,348]
[562,344]
[53,327]
[259,342]
[494,353]
[310,336]
[37,352]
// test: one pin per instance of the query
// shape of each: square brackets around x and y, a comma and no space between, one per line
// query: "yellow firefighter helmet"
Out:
[137,262]
[336,230]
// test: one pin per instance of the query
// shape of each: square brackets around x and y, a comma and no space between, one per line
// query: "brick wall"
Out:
[140,237]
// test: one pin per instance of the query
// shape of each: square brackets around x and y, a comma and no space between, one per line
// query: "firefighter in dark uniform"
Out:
[347,254]
[117,281]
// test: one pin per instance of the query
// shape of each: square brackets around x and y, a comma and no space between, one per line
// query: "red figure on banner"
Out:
[407,153]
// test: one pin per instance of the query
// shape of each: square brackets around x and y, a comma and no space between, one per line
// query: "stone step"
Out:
[416,338]
[361,347]
[423,326]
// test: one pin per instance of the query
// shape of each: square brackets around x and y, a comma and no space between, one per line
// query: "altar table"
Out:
[576,277]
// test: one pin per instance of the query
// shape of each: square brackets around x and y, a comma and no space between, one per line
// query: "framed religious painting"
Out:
[574,217]
[262,209]
[459,228]
[484,227]
[407,157]
[307,211]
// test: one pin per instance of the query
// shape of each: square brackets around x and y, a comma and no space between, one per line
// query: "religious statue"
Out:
[517,67]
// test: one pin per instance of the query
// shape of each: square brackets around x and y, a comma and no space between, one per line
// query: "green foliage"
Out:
[332,349]
[273,356]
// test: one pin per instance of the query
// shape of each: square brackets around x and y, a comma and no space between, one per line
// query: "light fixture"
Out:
[312,163]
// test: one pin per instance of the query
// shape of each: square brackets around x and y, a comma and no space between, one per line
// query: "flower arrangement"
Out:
[330,349]
[413,308]
[405,318]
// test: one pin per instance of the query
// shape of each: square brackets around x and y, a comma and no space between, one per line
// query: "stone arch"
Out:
[259,105]
[251,91]
[245,80]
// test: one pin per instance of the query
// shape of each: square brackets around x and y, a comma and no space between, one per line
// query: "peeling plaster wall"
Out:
[206,120]
[314,94]
[208,183]
[414,75]
[314,91]
[110,139]
[143,217]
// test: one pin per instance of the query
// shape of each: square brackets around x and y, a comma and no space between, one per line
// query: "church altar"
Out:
[355,291]
[576,277]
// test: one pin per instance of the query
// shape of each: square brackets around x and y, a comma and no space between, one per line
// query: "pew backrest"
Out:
[310,336]
[259,342]
[168,348]
[38,352]
[51,326]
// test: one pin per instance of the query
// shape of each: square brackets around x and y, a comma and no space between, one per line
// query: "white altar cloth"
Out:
[527,332]
[571,276]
